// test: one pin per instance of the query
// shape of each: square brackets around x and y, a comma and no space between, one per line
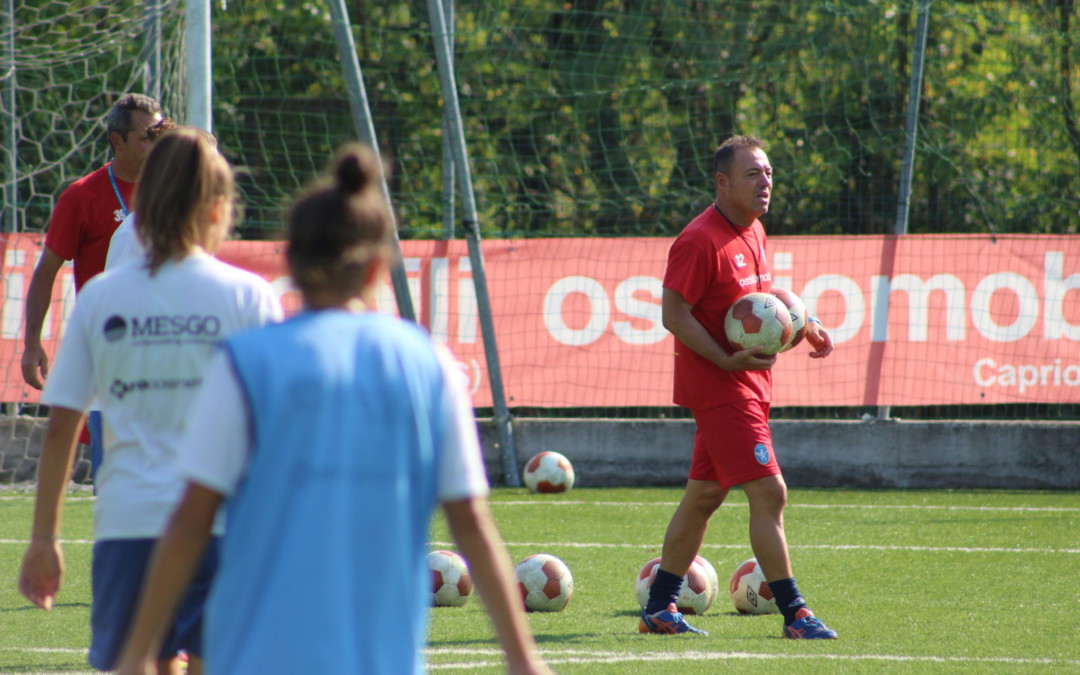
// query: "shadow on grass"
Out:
[59,605]
[52,669]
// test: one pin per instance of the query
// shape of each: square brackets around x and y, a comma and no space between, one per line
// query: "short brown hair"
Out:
[726,152]
[118,118]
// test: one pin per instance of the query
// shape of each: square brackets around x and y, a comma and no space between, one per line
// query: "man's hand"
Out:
[819,340]
[750,359]
[35,361]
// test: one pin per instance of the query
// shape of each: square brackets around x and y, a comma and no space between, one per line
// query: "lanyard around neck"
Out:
[739,234]
[116,189]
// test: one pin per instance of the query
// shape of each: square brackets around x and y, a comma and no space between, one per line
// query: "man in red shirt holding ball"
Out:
[718,258]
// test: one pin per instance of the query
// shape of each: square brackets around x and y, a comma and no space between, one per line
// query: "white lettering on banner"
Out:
[628,304]
[855,313]
[1026,317]
[439,299]
[473,374]
[600,310]
[1055,289]
[626,301]
[987,373]
[412,268]
[468,313]
[920,292]
[14,293]
[67,294]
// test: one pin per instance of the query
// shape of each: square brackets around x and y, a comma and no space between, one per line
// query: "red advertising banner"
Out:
[917,320]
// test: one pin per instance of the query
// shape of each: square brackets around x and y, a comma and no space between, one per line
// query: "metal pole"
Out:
[911,128]
[152,49]
[10,218]
[365,131]
[448,180]
[198,61]
[502,420]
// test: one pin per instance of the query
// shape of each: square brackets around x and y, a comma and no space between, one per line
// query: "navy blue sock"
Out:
[788,598]
[664,591]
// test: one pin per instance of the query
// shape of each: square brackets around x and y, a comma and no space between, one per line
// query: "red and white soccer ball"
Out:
[545,583]
[759,319]
[549,472]
[797,310]
[451,583]
[698,590]
[749,591]
[710,577]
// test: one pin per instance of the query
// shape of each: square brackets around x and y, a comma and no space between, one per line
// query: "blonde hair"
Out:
[339,227]
[182,178]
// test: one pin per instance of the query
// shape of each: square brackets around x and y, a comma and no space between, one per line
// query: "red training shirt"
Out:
[711,266]
[83,222]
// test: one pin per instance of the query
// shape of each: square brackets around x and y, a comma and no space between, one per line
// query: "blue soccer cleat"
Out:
[667,622]
[808,627]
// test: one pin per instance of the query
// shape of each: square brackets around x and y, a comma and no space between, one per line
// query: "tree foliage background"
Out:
[599,117]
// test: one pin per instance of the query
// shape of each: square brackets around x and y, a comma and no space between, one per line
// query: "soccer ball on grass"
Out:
[451,583]
[750,593]
[549,472]
[545,583]
[698,590]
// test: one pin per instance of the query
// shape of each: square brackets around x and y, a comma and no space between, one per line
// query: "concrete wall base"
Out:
[852,454]
[855,454]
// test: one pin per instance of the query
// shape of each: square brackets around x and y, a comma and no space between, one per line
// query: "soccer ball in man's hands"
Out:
[696,594]
[549,472]
[545,583]
[750,593]
[759,319]
[451,583]
[797,310]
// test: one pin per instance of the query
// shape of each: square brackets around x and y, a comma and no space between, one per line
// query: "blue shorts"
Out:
[118,569]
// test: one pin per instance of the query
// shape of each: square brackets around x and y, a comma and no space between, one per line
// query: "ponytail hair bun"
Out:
[340,226]
[356,169]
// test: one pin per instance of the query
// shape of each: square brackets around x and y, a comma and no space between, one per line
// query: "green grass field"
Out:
[914,582]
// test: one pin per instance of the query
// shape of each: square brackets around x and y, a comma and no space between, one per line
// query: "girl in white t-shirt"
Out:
[138,344]
[343,448]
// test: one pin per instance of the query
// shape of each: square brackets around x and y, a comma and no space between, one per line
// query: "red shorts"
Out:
[733,444]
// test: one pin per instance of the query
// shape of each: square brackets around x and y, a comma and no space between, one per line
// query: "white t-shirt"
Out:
[216,450]
[138,345]
[125,244]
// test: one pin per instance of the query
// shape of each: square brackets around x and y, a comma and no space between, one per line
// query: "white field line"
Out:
[851,547]
[831,547]
[493,658]
[572,502]
[928,507]
[30,496]
[47,650]
[652,545]
[668,505]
